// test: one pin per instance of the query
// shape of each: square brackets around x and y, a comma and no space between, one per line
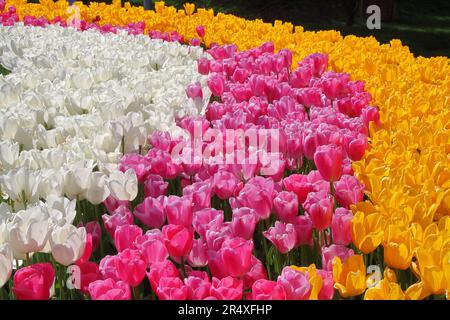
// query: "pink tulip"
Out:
[356,148]
[109,289]
[198,288]
[216,237]
[328,160]
[194,91]
[244,222]
[216,84]
[371,114]
[295,284]
[309,97]
[318,63]
[151,212]
[203,66]
[348,191]
[300,78]
[112,204]
[256,272]
[2,5]
[341,226]
[286,206]
[319,206]
[121,216]
[155,186]
[303,227]
[178,240]
[200,31]
[161,270]
[107,268]
[34,282]
[327,290]
[198,256]
[87,249]
[131,267]
[152,248]
[93,228]
[267,290]
[283,236]
[236,256]
[160,140]
[89,272]
[216,264]
[207,219]
[138,163]
[195,42]
[179,210]
[335,250]
[225,184]
[257,194]
[298,184]
[228,288]
[200,194]
[125,236]
[172,289]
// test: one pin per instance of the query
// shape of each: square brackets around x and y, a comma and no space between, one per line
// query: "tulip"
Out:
[348,191]
[152,248]
[399,247]
[303,227]
[236,255]
[194,91]
[200,194]
[172,289]
[295,284]
[125,236]
[121,216]
[216,84]
[67,244]
[28,232]
[257,194]
[131,267]
[327,290]
[228,288]
[107,268]
[155,186]
[366,231]
[34,282]
[161,270]
[256,272]
[385,290]
[298,184]
[93,228]
[109,289]
[198,256]
[286,206]
[267,290]
[123,186]
[319,206]
[225,184]
[178,240]
[243,222]
[341,226]
[203,66]
[335,250]
[89,272]
[151,212]
[207,219]
[328,160]
[356,148]
[200,31]
[6,263]
[96,191]
[350,276]
[112,204]
[198,288]
[20,185]
[283,236]
[87,249]
[179,211]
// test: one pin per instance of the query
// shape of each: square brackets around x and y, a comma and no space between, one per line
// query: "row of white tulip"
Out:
[74,102]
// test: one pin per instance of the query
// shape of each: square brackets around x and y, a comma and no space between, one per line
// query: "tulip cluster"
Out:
[172,220]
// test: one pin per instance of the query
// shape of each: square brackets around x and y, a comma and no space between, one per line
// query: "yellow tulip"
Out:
[350,276]
[366,231]
[398,247]
[385,290]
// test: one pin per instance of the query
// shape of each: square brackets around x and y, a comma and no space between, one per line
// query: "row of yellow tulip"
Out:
[406,171]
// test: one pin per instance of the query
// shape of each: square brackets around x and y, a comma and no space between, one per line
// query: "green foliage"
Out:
[4,71]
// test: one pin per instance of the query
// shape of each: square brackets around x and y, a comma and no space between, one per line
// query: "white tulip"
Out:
[28,231]
[6,264]
[123,186]
[67,244]
[97,190]
[9,153]
[61,211]
[21,185]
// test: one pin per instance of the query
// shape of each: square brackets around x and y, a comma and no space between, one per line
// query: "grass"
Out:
[424,26]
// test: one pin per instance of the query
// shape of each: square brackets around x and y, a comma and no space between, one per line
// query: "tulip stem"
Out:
[182,268]
[27,257]
[136,293]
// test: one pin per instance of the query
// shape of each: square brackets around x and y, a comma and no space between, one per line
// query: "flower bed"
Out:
[322,116]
